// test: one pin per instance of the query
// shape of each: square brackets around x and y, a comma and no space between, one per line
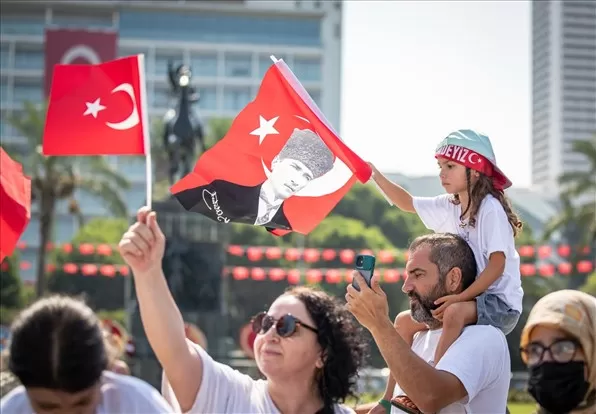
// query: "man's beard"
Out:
[422,306]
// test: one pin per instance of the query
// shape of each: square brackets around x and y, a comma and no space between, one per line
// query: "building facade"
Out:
[563,87]
[227,44]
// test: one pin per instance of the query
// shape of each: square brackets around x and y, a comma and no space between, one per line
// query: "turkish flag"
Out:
[281,165]
[15,203]
[98,109]
[82,46]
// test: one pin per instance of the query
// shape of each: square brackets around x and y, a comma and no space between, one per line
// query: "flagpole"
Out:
[146,137]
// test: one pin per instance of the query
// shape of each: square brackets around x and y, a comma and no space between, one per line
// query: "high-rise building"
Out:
[227,44]
[563,87]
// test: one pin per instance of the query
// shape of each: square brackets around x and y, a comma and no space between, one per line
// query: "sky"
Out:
[413,71]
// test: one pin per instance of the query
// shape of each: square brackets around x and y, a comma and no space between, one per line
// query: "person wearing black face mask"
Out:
[558,344]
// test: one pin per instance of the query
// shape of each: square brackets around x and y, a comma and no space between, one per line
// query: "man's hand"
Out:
[142,246]
[369,305]
[445,301]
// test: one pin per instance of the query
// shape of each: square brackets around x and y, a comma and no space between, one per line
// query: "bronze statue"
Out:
[182,127]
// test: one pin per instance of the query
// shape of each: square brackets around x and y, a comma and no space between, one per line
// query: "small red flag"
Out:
[97,109]
[281,165]
[15,203]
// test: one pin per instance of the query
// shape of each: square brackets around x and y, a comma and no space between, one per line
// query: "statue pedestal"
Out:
[193,264]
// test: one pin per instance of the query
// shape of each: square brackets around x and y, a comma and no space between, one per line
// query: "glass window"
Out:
[208,96]
[136,195]
[4,56]
[22,24]
[3,91]
[316,96]
[307,69]
[265,63]
[64,228]
[133,169]
[238,65]
[161,97]
[236,98]
[162,59]
[203,64]
[30,92]
[88,20]
[220,28]
[28,59]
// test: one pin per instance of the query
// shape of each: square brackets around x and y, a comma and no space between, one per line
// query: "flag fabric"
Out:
[281,165]
[15,203]
[98,109]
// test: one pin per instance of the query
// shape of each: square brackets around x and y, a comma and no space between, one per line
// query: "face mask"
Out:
[558,387]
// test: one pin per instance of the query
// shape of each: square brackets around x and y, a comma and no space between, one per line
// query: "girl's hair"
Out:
[57,343]
[477,193]
[340,337]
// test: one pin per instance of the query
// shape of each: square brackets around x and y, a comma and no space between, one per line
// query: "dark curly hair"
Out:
[340,337]
[57,343]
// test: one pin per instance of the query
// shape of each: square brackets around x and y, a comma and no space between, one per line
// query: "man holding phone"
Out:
[474,374]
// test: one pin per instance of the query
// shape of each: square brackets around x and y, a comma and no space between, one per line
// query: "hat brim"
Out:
[500,179]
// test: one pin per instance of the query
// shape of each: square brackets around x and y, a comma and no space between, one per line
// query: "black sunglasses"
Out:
[285,326]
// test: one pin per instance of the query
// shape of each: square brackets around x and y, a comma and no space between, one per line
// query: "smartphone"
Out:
[365,264]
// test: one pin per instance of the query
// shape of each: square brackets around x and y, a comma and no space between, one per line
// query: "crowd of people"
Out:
[447,354]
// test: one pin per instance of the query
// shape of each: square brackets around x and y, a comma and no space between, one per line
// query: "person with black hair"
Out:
[58,353]
[474,374]
[308,346]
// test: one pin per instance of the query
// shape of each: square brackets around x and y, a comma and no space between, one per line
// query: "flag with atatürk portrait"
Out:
[281,165]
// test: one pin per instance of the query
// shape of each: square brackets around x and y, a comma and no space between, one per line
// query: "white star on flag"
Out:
[265,128]
[93,108]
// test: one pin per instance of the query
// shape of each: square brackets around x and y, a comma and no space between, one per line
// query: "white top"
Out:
[492,233]
[119,394]
[226,390]
[479,358]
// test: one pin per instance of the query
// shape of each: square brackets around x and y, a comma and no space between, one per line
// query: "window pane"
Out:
[307,69]
[236,98]
[22,24]
[265,63]
[28,59]
[31,92]
[208,97]
[203,64]
[238,65]
[4,56]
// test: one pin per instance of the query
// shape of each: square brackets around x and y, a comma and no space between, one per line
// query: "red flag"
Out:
[67,45]
[15,203]
[281,164]
[97,109]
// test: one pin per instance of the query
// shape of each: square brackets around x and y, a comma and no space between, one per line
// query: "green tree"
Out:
[347,233]
[58,178]
[11,286]
[577,221]
[590,285]
[102,292]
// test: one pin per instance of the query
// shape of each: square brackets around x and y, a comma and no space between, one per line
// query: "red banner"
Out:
[77,46]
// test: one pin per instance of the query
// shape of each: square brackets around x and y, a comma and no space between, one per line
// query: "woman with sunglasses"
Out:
[308,346]
[558,344]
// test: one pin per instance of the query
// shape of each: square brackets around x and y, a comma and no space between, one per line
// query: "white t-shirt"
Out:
[119,394]
[479,358]
[226,390]
[492,233]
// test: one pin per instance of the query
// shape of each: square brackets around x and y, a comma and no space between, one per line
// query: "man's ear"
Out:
[453,280]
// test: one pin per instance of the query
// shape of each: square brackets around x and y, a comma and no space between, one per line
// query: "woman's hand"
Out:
[142,246]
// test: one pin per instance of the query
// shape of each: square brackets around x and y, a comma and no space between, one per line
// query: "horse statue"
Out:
[182,128]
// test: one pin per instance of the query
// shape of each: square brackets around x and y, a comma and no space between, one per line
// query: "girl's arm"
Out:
[494,269]
[398,196]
